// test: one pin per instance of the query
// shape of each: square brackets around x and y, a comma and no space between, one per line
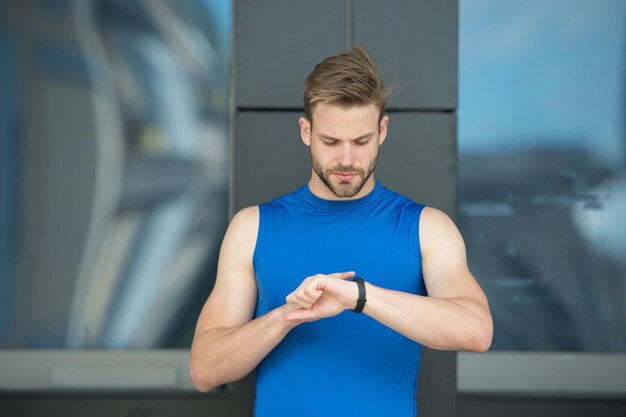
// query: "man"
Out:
[286,279]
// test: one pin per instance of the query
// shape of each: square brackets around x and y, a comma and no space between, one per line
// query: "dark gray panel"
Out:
[153,404]
[243,396]
[419,158]
[539,406]
[270,158]
[415,41]
[279,42]
[436,385]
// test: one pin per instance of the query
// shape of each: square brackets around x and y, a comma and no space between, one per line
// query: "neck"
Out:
[319,189]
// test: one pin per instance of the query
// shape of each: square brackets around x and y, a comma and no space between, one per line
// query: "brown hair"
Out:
[350,78]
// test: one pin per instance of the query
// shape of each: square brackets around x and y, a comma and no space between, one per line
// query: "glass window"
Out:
[542,144]
[119,189]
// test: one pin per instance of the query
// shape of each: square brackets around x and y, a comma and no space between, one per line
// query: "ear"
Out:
[382,128]
[305,130]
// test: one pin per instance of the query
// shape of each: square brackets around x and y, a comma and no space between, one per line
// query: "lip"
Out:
[345,176]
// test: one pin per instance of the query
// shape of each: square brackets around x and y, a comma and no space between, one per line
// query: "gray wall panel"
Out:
[270,158]
[279,42]
[110,404]
[436,394]
[416,41]
[418,158]
[539,406]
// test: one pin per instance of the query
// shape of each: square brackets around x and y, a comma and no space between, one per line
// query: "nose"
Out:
[346,158]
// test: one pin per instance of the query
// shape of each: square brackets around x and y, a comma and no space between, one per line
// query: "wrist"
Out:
[281,312]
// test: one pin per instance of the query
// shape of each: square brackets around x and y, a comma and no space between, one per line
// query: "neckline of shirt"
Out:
[342,204]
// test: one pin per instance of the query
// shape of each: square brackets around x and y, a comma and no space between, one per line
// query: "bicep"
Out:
[444,259]
[233,298]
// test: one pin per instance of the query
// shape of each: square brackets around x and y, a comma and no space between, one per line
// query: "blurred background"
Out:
[131,131]
[542,152]
[115,130]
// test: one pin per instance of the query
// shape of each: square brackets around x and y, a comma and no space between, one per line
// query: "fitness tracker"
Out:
[361,301]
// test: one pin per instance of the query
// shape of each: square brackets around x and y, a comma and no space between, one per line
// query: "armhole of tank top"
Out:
[259,233]
[418,246]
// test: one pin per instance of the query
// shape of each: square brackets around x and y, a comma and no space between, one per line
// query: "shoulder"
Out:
[247,215]
[433,217]
[245,222]
[437,230]
[240,238]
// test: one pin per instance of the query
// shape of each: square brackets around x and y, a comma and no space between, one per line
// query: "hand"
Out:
[322,296]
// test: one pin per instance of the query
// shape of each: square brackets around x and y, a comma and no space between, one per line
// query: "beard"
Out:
[345,189]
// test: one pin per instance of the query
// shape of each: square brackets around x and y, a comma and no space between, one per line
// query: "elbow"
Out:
[482,344]
[208,378]
[482,337]
[200,380]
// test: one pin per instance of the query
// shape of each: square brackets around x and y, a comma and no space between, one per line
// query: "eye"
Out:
[330,142]
[362,142]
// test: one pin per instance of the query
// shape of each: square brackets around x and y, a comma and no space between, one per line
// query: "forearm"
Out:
[222,355]
[445,324]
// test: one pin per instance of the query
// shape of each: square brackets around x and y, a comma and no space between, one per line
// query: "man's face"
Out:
[343,143]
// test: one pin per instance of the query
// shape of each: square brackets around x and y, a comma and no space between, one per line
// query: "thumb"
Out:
[301,314]
[343,275]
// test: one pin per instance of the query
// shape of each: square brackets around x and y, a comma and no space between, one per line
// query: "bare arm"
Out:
[228,344]
[455,314]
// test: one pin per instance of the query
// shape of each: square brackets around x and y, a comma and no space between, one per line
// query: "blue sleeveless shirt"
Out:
[350,364]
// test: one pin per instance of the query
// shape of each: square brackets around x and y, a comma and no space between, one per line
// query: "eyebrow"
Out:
[364,136]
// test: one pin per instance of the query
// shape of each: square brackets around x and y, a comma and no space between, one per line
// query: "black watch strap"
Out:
[361,301]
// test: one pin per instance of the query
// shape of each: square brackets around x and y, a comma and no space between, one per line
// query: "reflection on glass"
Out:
[543,169]
[139,156]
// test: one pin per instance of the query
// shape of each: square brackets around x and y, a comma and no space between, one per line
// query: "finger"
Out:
[343,275]
[311,294]
[293,301]
[305,299]
[306,293]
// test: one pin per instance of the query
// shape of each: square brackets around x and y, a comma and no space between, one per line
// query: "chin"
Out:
[346,190]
